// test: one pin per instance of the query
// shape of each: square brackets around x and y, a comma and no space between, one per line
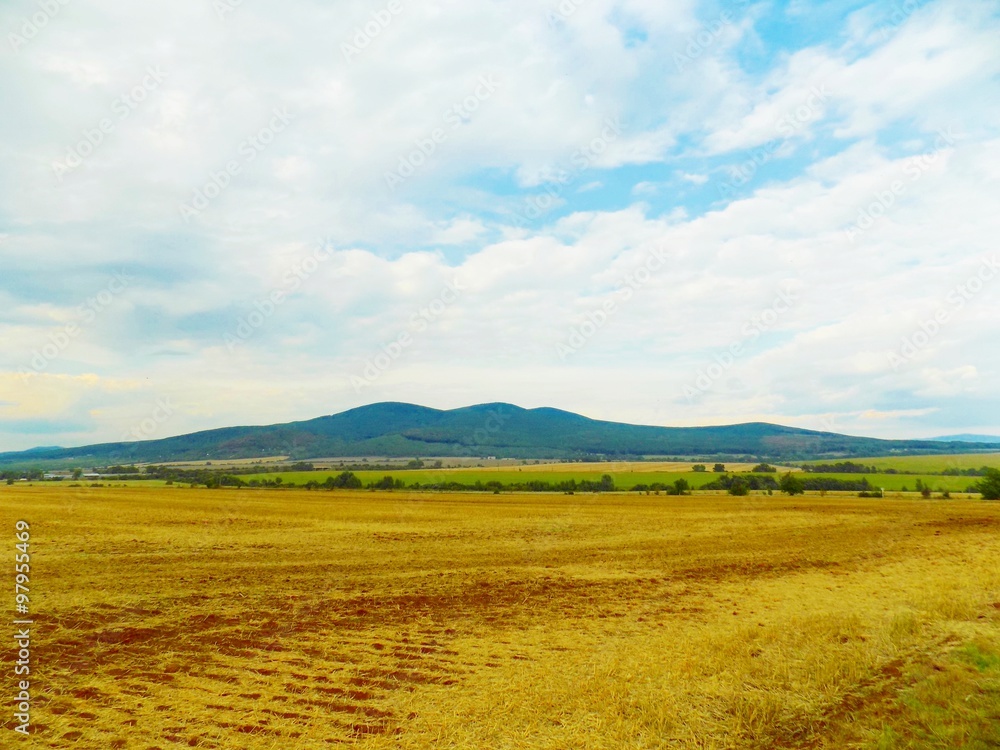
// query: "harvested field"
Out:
[169,617]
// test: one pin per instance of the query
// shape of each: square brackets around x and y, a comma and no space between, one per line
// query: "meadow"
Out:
[628,474]
[929,464]
[625,476]
[177,617]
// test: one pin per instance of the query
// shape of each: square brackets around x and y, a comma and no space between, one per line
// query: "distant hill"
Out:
[966,438]
[502,430]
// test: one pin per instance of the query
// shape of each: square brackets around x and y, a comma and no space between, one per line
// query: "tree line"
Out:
[849,467]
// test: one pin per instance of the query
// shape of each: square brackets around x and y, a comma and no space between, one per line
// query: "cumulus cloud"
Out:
[518,197]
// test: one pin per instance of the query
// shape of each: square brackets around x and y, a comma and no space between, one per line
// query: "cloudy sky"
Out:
[219,212]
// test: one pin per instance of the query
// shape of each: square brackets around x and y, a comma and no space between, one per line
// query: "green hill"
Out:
[502,430]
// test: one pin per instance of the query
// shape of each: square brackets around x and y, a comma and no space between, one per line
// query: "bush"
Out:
[346,480]
[385,483]
[739,487]
[990,486]
[681,487]
[792,485]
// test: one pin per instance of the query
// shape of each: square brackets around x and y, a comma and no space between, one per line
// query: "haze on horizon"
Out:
[683,213]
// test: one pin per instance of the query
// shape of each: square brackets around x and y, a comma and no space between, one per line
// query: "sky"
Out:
[229,212]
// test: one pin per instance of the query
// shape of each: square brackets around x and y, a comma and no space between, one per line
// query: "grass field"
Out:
[175,617]
[623,479]
[926,463]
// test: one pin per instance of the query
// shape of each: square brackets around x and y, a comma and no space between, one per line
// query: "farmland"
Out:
[929,464]
[624,477]
[177,617]
[628,474]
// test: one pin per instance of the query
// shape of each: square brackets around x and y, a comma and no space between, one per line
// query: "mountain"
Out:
[503,430]
[966,438]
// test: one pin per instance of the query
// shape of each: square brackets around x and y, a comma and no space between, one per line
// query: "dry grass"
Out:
[288,619]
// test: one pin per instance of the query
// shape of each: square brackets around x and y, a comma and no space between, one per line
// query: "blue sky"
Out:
[672,213]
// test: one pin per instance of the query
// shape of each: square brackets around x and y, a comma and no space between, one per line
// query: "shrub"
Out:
[990,486]
[681,487]
[792,485]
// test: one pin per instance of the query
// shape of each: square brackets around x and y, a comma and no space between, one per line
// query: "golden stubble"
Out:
[170,617]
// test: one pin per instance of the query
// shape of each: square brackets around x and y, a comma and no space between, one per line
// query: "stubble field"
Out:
[170,617]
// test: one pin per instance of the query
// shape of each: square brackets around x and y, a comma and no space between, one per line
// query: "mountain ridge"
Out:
[967,438]
[397,429]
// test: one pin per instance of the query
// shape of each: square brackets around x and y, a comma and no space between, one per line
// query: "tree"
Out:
[77,473]
[764,468]
[990,486]
[719,468]
[681,487]
[792,485]
[698,467]
[385,483]
[344,480]
[739,487]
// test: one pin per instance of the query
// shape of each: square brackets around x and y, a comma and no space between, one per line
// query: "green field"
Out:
[930,464]
[624,480]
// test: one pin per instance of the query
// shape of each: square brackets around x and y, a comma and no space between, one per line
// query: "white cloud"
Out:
[697,179]
[421,82]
